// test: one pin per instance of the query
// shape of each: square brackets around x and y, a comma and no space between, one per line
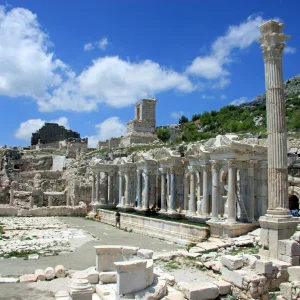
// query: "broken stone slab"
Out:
[201,291]
[292,260]
[296,236]
[174,295]
[288,247]
[214,265]
[33,256]
[249,261]
[286,290]
[232,262]
[108,277]
[90,274]
[40,275]
[49,273]
[106,291]
[60,271]
[9,280]
[168,277]
[243,243]
[224,286]
[264,266]
[196,250]
[145,253]
[208,246]
[165,256]
[127,250]
[235,277]
[206,256]
[294,273]
[28,278]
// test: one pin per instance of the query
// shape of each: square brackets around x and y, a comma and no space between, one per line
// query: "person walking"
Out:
[118,217]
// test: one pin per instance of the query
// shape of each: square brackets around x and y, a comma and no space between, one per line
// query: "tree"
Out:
[163,134]
[183,120]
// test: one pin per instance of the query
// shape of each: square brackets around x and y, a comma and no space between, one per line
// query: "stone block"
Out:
[224,287]
[286,290]
[145,253]
[108,277]
[296,236]
[106,256]
[196,250]
[288,247]
[9,280]
[126,250]
[213,265]
[60,271]
[62,295]
[292,260]
[208,246]
[105,291]
[201,291]
[232,262]
[80,289]
[249,261]
[33,256]
[294,273]
[90,274]
[235,277]
[28,278]
[264,266]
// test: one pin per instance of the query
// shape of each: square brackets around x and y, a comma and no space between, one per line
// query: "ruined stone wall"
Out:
[114,143]
[140,126]
[31,163]
[137,139]
[103,145]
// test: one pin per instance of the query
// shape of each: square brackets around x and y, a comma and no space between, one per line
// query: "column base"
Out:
[273,229]
[172,214]
[127,208]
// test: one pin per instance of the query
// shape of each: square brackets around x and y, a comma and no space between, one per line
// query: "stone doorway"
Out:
[293,202]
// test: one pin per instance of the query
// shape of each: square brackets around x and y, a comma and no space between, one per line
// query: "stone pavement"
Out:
[83,257]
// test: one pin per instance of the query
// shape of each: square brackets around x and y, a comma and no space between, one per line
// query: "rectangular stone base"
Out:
[197,219]
[230,230]
[274,229]
[171,215]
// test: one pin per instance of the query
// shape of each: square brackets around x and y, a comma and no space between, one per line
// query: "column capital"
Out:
[121,173]
[139,171]
[215,164]
[252,163]
[232,163]
[172,169]
[205,168]
[162,170]
[191,169]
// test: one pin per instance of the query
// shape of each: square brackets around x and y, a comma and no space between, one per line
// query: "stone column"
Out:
[93,189]
[171,208]
[277,224]
[120,188]
[192,202]
[127,187]
[205,199]
[198,193]
[110,188]
[49,200]
[97,186]
[163,205]
[186,193]
[215,191]
[139,188]
[231,215]
[105,188]
[272,45]
[251,194]
[147,187]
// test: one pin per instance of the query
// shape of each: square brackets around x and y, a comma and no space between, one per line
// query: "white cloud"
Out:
[177,114]
[290,50]
[111,127]
[214,66]
[103,43]
[207,97]
[239,101]
[30,126]
[116,83]
[27,67]
[88,47]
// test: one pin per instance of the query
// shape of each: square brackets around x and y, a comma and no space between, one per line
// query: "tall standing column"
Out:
[215,191]
[251,194]
[139,188]
[171,208]
[231,217]
[163,205]
[111,187]
[147,188]
[127,187]
[97,186]
[105,188]
[277,224]
[120,188]
[205,200]
[198,192]
[272,45]
[192,206]
[93,189]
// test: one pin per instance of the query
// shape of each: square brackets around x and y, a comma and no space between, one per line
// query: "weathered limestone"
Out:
[49,273]
[231,217]
[278,223]
[106,256]
[215,191]
[40,275]
[232,262]
[203,291]
[28,278]
[80,289]
[60,271]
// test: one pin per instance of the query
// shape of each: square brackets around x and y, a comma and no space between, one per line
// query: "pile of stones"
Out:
[47,274]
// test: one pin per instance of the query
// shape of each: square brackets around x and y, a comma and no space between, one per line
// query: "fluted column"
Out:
[231,215]
[93,189]
[97,186]
[120,188]
[163,205]
[251,194]
[105,188]
[205,200]
[186,189]
[147,188]
[171,208]
[215,191]
[272,45]
[111,187]
[198,193]
[127,187]
[139,188]
[192,202]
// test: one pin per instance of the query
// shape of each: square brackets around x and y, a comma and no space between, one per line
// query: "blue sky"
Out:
[85,63]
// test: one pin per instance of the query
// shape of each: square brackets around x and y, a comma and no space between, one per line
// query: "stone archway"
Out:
[294,196]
